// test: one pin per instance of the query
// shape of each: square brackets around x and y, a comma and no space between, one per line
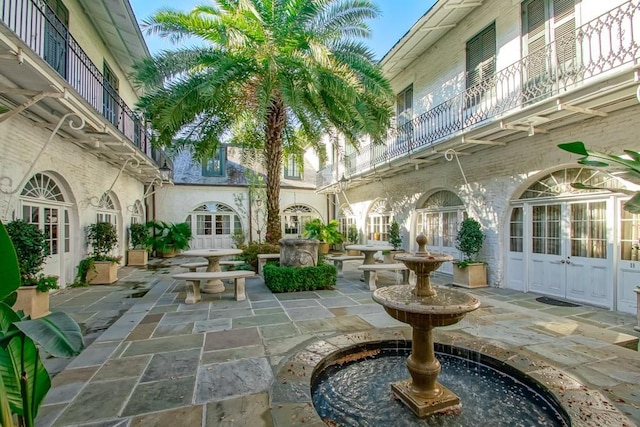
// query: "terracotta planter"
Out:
[168,254]
[637,291]
[32,301]
[105,273]
[323,248]
[471,276]
[137,257]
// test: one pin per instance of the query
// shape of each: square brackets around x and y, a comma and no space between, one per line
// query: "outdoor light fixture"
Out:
[343,184]
[258,202]
[165,172]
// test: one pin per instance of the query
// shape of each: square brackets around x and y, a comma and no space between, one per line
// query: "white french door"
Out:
[54,221]
[569,255]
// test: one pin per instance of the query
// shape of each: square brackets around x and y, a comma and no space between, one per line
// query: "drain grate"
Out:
[556,302]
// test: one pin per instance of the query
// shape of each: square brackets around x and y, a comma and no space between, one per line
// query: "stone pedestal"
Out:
[298,252]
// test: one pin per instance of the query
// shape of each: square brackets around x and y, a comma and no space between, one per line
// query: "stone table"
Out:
[368,251]
[213,256]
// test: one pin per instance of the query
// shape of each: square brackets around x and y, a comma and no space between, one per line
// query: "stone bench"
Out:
[374,268]
[193,266]
[264,258]
[340,259]
[193,280]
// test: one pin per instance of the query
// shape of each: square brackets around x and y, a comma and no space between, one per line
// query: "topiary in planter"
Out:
[32,249]
[469,241]
[395,239]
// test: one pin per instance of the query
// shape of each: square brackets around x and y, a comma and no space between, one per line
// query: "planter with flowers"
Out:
[31,247]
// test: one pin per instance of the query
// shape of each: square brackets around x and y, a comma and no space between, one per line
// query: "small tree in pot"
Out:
[101,267]
[395,240]
[31,247]
[138,235]
[329,233]
[469,272]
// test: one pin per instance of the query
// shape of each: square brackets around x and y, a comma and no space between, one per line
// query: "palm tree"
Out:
[267,75]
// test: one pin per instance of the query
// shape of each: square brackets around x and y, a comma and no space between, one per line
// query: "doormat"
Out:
[551,301]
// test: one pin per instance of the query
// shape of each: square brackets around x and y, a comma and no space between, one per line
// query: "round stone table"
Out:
[368,251]
[213,256]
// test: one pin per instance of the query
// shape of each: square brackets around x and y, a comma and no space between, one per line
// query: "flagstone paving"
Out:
[152,360]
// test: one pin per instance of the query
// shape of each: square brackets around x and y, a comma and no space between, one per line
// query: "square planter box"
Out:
[106,272]
[472,276]
[32,301]
[137,257]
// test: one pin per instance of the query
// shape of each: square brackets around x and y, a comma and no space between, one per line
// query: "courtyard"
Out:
[153,361]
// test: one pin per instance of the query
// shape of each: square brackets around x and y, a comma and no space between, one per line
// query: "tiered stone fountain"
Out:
[424,308]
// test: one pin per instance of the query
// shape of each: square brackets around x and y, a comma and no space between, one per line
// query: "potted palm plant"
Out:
[167,239]
[138,255]
[31,248]
[469,272]
[328,234]
[24,381]
[101,267]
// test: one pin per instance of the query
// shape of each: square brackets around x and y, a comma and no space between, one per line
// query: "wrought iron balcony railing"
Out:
[598,47]
[36,24]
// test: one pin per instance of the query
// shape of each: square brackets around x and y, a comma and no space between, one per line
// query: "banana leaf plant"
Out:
[626,167]
[24,381]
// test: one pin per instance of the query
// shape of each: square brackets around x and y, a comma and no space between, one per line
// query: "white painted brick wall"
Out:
[80,173]
[496,175]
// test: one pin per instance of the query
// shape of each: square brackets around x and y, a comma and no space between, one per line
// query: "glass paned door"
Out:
[569,257]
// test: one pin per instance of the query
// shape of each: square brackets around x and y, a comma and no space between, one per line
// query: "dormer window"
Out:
[291,170]
[216,165]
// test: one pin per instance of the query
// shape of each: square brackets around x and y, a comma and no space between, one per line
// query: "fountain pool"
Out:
[352,391]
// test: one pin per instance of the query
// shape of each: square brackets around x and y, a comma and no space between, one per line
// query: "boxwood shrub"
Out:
[292,279]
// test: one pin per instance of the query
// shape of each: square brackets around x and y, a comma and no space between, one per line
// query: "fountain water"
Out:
[424,308]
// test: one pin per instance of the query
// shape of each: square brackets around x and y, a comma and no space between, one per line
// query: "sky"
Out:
[397,18]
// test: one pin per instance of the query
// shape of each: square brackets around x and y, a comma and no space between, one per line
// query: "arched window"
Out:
[107,211]
[214,219]
[295,217]
[137,213]
[378,221]
[558,183]
[438,218]
[42,187]
[346,218]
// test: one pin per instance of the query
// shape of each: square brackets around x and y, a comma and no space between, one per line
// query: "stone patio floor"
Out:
[153,361]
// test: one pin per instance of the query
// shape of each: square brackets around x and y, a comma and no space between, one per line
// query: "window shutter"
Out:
[481,56]
[535,39]
[564,33]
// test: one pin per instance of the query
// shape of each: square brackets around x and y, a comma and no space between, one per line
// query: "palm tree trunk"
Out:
[273,152]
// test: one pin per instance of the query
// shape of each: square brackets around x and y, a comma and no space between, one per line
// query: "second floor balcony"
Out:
[41,30]
[589,71]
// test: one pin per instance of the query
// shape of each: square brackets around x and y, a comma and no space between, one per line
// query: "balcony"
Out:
[589,72]
[38,27]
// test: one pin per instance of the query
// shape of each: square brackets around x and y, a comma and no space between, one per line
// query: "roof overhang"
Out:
[117,25]
[432,26]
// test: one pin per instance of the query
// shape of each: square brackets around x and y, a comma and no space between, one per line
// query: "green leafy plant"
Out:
[292,279]
[139,235]
[352,233]
[165,236]
[250,252]
[102,237]
[627,167]
[469,241]
[24,381]
[238,238]
[395,239]
[31,247]
[328,233]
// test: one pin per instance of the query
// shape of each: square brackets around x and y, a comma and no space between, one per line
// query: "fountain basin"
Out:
[445,308]
[351,388]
